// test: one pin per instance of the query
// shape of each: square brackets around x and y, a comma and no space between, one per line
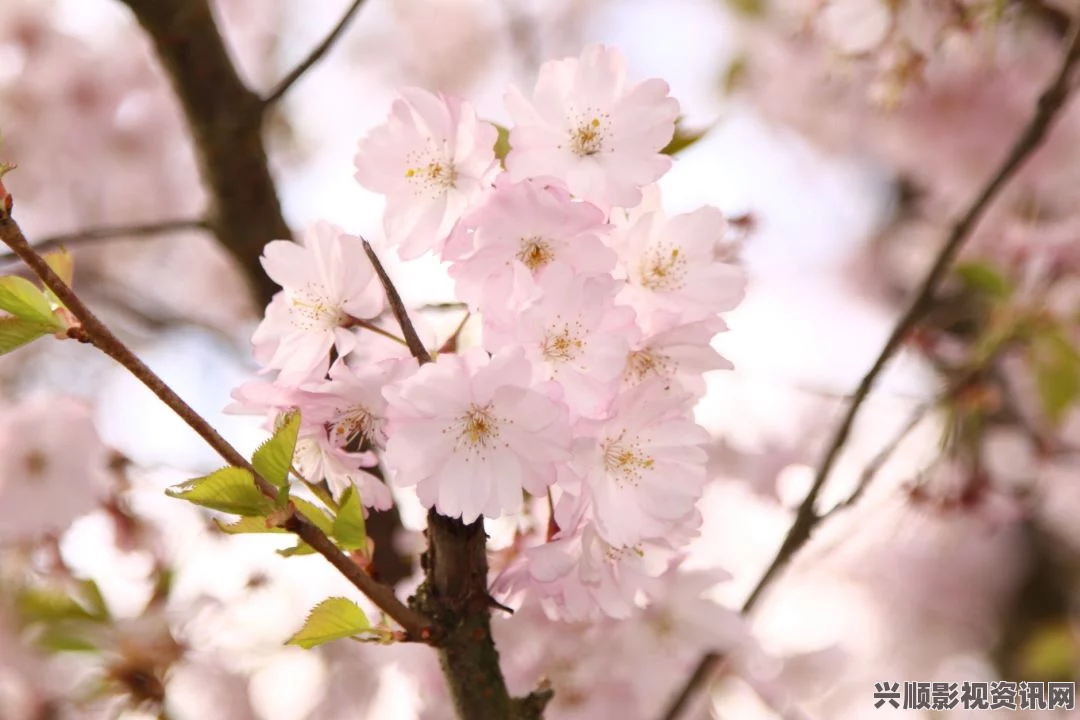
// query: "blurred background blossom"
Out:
[848,132]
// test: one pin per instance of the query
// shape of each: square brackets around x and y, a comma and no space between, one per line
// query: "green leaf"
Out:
[16,332]
[230,490]
[317,517]
[23,299]
[63,264]
[682,139]
[984,279]
[502,143]
[64,638]
[349,529]
[332,619]
[1056,364]
[274,457]
[300,548]
[44,604]
[93,600]
[315,514]
[247,525]
[260,525]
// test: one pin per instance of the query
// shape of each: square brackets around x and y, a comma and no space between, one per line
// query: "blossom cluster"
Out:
[596,309]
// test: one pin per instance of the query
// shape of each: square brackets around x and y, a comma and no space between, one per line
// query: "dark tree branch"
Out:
[455,591]
[115,232]
[1050,103]
[455,596]
[94,332]
[225,118]
[313,57]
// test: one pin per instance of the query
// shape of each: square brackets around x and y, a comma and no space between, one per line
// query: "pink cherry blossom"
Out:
[646,467]
[350,405]
[432,158]
[327,281]
[680,355]
[670,266]
[520,231]
[580,576]
[54,467]
[472,433]
[591,130]
[317,461]
[575,335]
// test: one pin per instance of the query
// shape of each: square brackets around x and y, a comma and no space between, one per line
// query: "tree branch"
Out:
[113,232]
[313,57]
[92,331]
[455,591]
[225,118]
[1048,107]
[416,346]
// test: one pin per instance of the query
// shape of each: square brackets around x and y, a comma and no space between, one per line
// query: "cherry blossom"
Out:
[591,130]
[670,266]
[350,404]
[646,466]
[431,159]
[520,231]
[579,576]
[340,469]
[54,467]
[574,334]
[679,354]
[327,282]
[472,433]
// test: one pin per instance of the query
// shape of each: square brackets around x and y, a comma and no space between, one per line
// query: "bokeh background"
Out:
[847,132]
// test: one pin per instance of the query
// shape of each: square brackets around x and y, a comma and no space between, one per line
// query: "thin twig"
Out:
[878,461]
[412,340]
[1049,105]
[451,342]
[115,232]
[366,325]
[91,330]
[313,57]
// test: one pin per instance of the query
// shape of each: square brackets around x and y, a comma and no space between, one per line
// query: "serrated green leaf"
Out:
[230,490]
[349,528]
[318,518]
[315,514]
[332,619]
[247,525]
[1056,364]
[44,604]
[274,457]
[16,332]
[23,299]
[502,143]
[984,279]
